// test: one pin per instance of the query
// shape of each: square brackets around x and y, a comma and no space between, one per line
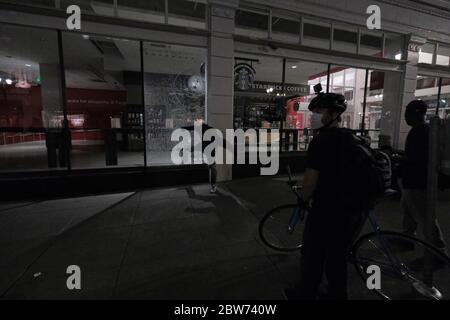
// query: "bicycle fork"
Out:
[293,220]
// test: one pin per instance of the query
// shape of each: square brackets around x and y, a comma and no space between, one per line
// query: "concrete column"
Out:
[399,90]
[391,112]
[358,99]
[409,88]
[220,93]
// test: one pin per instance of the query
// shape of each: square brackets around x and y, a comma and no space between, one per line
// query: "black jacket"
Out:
[414,167]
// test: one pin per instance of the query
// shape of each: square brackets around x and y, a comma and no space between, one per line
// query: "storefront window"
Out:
[363,117]
[149,11]
[316,34]
[252,23]
[37,3]
[345,39]
[100,7]
[374,105]
[426,53]
[258,95]
[255,100]
[443,55]
[371,44]
[394,47]
[424,82]
[175,90]
[104,101]
[31,136]
[188,8]
[350,83]
[286,28]
[444,104]
[187,13]
[428,89]
[302,75]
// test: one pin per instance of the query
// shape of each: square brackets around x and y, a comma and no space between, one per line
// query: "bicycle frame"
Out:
[385,247]
[398,268]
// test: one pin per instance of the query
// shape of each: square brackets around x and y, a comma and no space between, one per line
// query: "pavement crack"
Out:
[52,241]
[116,282]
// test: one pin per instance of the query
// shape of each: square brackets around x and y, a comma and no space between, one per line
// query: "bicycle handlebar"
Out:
[292,183]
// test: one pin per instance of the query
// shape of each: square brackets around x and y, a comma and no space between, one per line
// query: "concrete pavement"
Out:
[171,243]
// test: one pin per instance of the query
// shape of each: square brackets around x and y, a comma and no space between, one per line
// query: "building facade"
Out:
[108,96]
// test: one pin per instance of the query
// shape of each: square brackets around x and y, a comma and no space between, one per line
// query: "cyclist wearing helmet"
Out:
[329,228]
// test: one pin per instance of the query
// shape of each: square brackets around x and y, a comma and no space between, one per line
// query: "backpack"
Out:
[365,172]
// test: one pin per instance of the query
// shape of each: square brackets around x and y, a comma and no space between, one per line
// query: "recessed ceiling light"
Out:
[8,81]
[294,67]
[27,65]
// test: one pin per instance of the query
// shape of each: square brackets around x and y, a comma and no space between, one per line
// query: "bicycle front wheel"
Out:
[410,269]
[274,231]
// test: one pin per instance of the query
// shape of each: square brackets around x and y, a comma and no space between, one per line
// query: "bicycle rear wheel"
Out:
[273,229]
[409,267]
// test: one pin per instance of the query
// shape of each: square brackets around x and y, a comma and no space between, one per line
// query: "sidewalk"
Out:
[172,243]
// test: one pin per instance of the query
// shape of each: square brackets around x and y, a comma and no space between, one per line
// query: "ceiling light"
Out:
[85,36]
[27,65]
[398,56]
[294,67]
[8,81]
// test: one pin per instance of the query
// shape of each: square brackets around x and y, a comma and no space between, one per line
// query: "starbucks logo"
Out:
[244,75]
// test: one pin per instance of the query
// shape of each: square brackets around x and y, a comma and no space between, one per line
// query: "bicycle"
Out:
[410,268]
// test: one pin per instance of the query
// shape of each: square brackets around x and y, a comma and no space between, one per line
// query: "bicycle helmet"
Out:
[330,101]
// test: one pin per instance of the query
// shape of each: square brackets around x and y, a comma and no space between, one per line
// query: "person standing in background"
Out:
[414,170]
